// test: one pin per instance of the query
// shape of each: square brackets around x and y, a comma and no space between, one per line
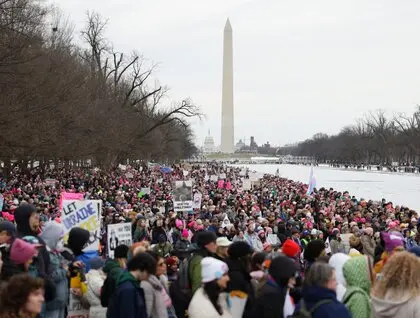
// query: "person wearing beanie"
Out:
[206,242]
[94,281]
[157,231]
[182,246]
[208,301]
[315,249]
[274,299]
[22,253]
[163,248]
[290,249]
[239,262]
[112,269]
[368,242]
[7,235]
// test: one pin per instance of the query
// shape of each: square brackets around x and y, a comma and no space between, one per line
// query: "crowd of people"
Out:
[267,249]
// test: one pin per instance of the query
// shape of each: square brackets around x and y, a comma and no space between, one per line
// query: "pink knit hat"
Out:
[178,223]
[21,251]
[185,233]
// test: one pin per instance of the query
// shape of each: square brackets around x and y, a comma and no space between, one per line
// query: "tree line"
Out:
[373,140]
[64,102]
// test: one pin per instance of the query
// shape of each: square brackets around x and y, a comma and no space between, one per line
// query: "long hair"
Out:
[400,275]
[14,294]
[213,291]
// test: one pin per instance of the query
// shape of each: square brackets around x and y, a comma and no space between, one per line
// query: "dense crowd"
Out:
[261,248]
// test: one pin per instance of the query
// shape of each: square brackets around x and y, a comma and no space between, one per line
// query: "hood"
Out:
[155,282]
[337,261]
[22,215]
[78,237]
[358,273]
[110,264]
[52,233]
[387,307]
[126,277]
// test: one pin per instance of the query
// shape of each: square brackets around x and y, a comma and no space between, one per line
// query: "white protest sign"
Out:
[222,176]
[75,308]
[246,184]
[197,200]
[253,177]
[84,214]
[214,178]
[118,234]
[50,182]
[226,221]
[129,175]
[145,190]
[182,196]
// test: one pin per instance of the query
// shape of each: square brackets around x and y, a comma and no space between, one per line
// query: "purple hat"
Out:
[392,240]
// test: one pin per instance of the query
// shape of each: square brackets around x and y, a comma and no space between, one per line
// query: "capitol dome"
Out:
[209,146]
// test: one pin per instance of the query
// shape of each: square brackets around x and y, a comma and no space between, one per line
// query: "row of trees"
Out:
[60,101]
[374,139]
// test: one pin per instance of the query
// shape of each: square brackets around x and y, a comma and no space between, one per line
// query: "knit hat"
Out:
[392,240]
[239,249]
[290,248]
[184,233]
[96,263]
[21,251]
[313,250]
[178,223]
[282,269]
[212,269]
[368,231]
[205,237]
[121,251]
[9,227]
[170,261]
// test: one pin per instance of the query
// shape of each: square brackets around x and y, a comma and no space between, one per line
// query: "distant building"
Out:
[209,146]
[239,145]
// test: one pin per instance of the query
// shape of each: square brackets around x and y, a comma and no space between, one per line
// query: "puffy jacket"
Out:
[95,280]
[155,305]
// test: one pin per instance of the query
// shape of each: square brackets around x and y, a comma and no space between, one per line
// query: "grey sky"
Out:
[301,67]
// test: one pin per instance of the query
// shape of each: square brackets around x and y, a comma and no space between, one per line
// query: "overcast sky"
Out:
[300,67]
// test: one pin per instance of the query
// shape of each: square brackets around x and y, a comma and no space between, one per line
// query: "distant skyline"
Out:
[300,67]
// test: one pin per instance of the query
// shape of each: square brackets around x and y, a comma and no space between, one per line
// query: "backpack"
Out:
[305,313]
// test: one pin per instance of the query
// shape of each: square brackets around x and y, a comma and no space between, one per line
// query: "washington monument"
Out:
[227,143]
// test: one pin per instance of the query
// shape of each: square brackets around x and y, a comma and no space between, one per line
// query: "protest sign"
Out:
[182,196]
[145,190]
[50,182]
[220,184]
[75,308]
[69,196]
[1,202]
[118,234]
[222,176]
[214,178]
[253,177]
[246,184]
[129,175]
[226,221]
[197,200]
[84,214]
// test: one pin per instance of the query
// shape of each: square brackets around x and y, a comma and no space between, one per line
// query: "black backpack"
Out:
[303,312]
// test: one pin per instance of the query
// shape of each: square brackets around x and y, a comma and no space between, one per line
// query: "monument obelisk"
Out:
[227,142]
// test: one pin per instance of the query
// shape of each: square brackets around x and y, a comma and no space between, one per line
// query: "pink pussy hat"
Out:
[21,251]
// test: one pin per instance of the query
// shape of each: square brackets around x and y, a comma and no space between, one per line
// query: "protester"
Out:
[128,299]
[397,293]
[206,242]
[358,274]
[22,296]
[274,300]
[319,293]
[209,301]
[222,248]
[337,261]
[94,280]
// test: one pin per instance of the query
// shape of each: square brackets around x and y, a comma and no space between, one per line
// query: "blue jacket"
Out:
[333,309]
[128,299]
[85,257]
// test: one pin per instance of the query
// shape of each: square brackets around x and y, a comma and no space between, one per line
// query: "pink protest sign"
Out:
[220,184]
[69,196]
[228,185]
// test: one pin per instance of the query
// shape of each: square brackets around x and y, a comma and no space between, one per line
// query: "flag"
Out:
[312,182]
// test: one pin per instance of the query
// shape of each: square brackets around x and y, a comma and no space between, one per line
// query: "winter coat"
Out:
[201,306]
[369,245]
[270,301]
[95,280]
[337,246]
[112,270]
[59,277]
[406,307]
[333,309]
[240,280]
[156,232]
[128,299]
[155,305]
[163,250]
[357,272]
[194,268]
